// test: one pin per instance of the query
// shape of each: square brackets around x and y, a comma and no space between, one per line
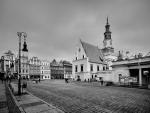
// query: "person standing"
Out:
[2,80]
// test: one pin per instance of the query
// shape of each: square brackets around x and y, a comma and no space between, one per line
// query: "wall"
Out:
[123,70]
[79,63]
[94,67]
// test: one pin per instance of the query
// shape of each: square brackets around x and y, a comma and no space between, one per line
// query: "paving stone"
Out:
[86,98]
[37,109]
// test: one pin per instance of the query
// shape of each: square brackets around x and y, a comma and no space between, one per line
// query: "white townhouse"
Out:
[87,62]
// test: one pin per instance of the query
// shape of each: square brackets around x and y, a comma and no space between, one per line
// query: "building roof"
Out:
[9,53]
[93,53]
[148,54]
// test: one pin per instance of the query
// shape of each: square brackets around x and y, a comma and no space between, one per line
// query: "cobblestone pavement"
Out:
[77,98]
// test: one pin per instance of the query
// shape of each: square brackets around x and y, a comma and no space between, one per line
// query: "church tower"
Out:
[107,42]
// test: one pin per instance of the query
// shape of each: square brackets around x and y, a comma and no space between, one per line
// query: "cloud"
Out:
[54,26]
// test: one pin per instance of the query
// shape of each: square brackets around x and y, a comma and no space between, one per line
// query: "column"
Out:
[140,76]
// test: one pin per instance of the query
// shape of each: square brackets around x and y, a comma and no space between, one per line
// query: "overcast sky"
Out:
[55,26]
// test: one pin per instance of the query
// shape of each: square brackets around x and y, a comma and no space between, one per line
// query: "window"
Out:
[91,67]
[23,70]
[97,68]
[83,56]
[81,67]
[76,68]
[103,68]
[76,58]
[79,49]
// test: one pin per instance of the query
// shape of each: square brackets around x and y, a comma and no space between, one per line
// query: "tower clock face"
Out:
[107,43]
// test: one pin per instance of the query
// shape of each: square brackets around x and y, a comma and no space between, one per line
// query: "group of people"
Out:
[6,79]
[66,80]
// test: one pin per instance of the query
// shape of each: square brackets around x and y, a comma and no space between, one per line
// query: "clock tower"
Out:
[108,50]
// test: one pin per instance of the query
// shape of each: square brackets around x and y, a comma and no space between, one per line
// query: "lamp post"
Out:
[19,80]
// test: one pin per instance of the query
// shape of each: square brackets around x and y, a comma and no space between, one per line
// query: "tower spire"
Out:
[107,21]
[107,42]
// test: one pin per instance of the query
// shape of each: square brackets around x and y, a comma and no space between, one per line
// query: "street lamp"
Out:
[19,80]
[20,34]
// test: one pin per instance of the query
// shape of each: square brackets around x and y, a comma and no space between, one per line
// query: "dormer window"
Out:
[79,49]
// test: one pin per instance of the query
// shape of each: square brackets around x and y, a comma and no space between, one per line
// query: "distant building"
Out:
[45,69]
[67,66]
[34,68]
[57,71]
[7,64]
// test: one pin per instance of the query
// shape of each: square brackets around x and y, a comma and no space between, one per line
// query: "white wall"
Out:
[124,71]
[78,63]
[94,67]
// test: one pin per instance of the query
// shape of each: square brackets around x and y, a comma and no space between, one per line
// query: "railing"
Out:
[12,102]
[131,61]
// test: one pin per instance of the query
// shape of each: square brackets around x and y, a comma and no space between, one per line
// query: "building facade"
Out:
[34,68]
[133,70]
[24,60]
[87,62]
[67,66]
[45,69]
[57,70]
[7,64]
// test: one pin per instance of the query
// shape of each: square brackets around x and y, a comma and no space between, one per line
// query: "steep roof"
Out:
[93,53]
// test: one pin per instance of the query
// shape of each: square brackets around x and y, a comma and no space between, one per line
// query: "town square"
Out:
[74,56]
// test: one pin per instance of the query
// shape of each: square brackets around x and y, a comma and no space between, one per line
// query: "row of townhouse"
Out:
[30,68]
[33,67]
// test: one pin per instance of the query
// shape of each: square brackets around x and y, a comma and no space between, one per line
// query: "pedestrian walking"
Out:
[2,80]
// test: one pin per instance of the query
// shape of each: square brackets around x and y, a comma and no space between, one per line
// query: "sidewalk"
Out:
[33,104]
[28,103]
[3,100]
